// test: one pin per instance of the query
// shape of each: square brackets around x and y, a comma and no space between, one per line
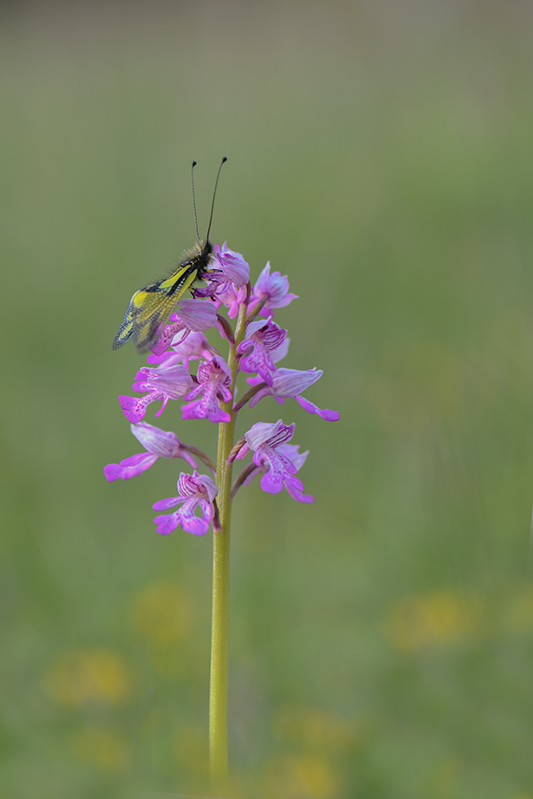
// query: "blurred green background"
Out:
[380,154]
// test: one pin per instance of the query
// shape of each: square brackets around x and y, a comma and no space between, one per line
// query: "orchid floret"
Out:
[158,444]
[214,381]
[165,382]
[278,465]
[262,338]
[272,287]
[232,266]
[194,491]
[289,383]
[194,316]
[232,298]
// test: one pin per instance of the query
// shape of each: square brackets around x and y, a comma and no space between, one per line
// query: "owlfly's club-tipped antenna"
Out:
[194,200]
[214,195]
[212,202]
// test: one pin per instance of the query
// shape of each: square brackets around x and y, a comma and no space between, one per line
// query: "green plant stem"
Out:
[218,692]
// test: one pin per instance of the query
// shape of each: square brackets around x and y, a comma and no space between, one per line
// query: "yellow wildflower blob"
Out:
[162,613]
[88,675]
[101,748]
[436,619]
[301,777]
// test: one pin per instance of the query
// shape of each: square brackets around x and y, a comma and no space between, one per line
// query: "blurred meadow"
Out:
[380,154]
